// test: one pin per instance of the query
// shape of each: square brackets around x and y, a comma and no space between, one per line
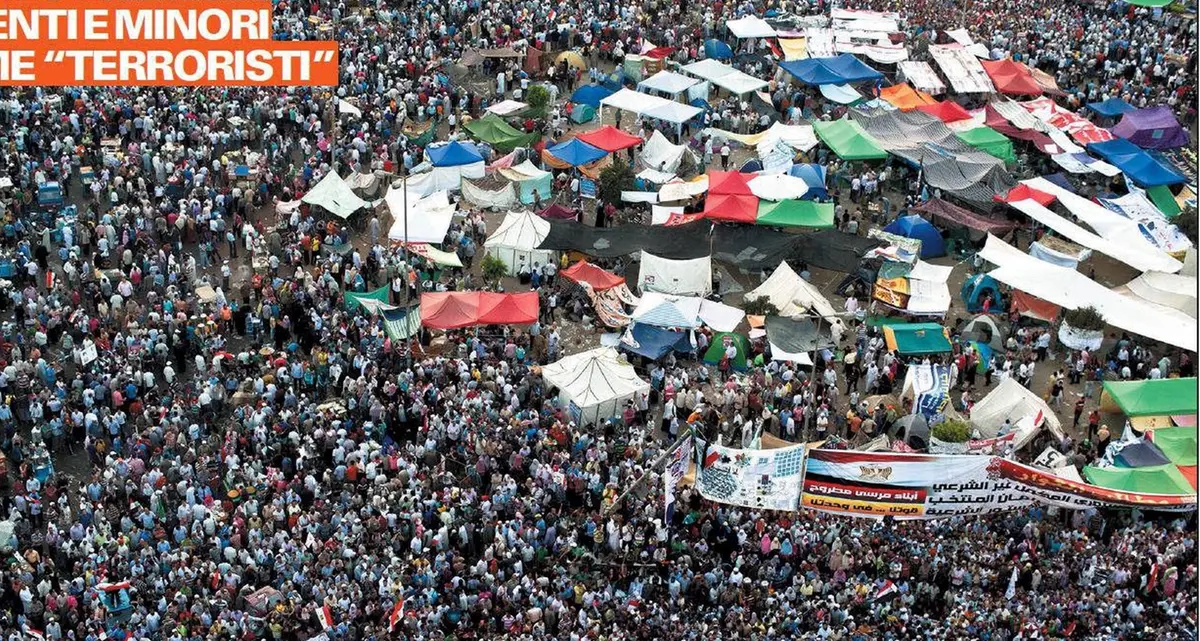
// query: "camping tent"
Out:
[917,228]
[840,70]
[452,310]
[517,239]
[575,152]
[1158,479]
[814,176]
[848,140]
[610,139]
[915,430]
[1111,108]
[594,385]
[335,196]
[794,296]
[677,277]
[1152,128]
[493,130]
[916,338]
[987,139]
[1011,77]
[597,278]
[1011,401]
[591,95]
[1144,169]
[1160,397]
[722,340]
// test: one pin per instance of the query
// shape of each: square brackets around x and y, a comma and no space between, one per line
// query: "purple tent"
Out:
[1152,128]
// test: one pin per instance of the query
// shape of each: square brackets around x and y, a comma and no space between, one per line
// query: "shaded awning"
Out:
[949,212]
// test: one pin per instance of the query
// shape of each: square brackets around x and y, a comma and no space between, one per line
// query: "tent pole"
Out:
[657,462]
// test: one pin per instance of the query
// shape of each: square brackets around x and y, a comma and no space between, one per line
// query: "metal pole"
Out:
[407,295]
[636,484]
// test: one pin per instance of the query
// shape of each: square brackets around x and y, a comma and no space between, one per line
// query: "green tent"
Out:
[1178,443]
[848,140]
[1159,397]
[583,113]
[1153,479]
[716,351]
[494,131]
[989,140]
[425,137]
[916,338]
[1163,199]
[795,213]
[369,301]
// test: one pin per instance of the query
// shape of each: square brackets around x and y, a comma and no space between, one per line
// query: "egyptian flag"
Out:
[50,279]
[396,615]
[887,590]
[325,617]
[1152,581]
[33,633]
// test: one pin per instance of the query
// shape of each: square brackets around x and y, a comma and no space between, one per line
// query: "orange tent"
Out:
[905,98]
[1012,77]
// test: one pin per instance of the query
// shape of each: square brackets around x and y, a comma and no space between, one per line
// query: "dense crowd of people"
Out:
[204,441]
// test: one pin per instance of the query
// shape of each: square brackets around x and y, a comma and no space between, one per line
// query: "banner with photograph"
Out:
[760,479]
[677,467]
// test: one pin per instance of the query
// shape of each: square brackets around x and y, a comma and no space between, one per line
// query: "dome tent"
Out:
[917,228]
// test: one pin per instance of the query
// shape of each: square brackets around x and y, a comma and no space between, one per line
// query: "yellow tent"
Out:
[572,59]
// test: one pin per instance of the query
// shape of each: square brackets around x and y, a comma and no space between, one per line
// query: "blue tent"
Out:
[591,95]
[841,70]
[1144,169]
[654,342]
[1140,454]
[453,154]
[917,228]
[751,166]
[716,49]
[814,176]
[575,152]
[974,290]
[1112,107]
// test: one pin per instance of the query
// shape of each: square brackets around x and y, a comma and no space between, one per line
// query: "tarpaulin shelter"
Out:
[795,213]
[557,212]
[916,338]
[729,183]
[793,296]
[921,76]
[848,140]
[419,220]
[1152,128]
[950,213]
[1167,290]
[609,138]
[454,161]
[1177,443]
[1023,191]
[517,239]
[591,95]
[594,385]
[987,139]
[575,152]
[334,195]
[1111,108]
[814,176]
[1140,454]
[1011,77]
[401,323]
[721,341]
[841,94]
[1158,397]
[1011,401]
[905,98]
[946,111]
[717,50]
[733,208]
[654,342]
[798,335]
[1034,307]
[493,130]
[585,272]
[1144,169]
[917,228]
[839,70]
[662,310]
[962,69]
[529,179]
[453,310]
[1159,479]
[689,277]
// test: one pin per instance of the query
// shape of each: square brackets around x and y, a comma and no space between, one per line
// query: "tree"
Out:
[493,269]
[761,306]
[1085,318]
[538,98]
[614,179]
[952,431]
[1186,222]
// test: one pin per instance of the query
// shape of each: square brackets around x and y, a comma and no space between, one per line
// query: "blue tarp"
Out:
[913,226]
[1112,107]
[844,69]
[591,95]
[814,176]
[1140,454]
[1061,180]
[575,152]
[1144,169]
[717,49]
[655,342]
[454,154]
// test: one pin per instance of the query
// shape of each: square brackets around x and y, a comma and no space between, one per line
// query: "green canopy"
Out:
[916,338]
[1162,198]
[1153,479]
[369,301]
[716,351]
[1178,443]
[989,140]
[1157,397]
[1149,3]
[494,131]
[848,140]
[795,213]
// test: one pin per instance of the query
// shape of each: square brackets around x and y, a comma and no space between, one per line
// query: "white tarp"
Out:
[594,385]
[750,27]
[778,187]
[724,76]
[348,108]
[962,69]
[428,218]
[651,106]
[639,197]
[1150,221]
[1166,290]
[661,214]
[517,239]
[841,94]
[655,176]
[1147,229]
[1010,400]
[794,296]
[680,189]
[662,310]
[335,196]
[1069,289]
[921,77]
[927,297]
[660,155]
[819,42]
[678,277]
[667,82]
[450,178]
[501,199]
[719,316]
[506,107]
[927,271]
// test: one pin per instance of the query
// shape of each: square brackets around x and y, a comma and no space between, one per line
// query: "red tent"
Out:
[452,310]
[1012,77]
[508,309]
[557,212]
[947,111]
[1022,192]
[734,208]
[585,272]
[610,139]
[729,182]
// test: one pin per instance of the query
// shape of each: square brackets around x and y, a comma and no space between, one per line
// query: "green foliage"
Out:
[1086,318]
[1186,222]
[493,269]
[952,431]
[614,179]
[538,97]
[761,306]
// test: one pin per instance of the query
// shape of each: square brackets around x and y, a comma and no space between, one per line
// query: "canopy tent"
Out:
[1111,108]
[453,154]
[921,76]
[335,196]
[591,95]
[724,76]
[691,277]
[532,184]
[1157,397]
[419,220]
[1024,192]
[962,69]
[517,239]
[1177,443]
[987,139]
[840,70]
[598,279]
[1158,479]
[651,106]
[609,138]
[1069,289]
[917,228]
[454,310]
[917,338]
[654,342]
[667,82]
[732,208]
[721,342]
[729,183]
[1011,401]
[905,98]
[1152,128]
[507,107]
[575,152]
[793,296]
[594,385]
[951,213]
[778,187]
[946,111]
[848,140]
[1144,169]
[750,27]
[795,213]
[1011,77]
[499,134]
[717,50]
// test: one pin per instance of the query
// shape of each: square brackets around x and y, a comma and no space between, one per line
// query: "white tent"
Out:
[334,195]
[517,239]
[680,277]
[651,106]
[427,218]
[724,76]
[794,296]
[667,82]
[660,155]
[594,385]
[1172,291]
[750,27]
[507,107]
[1010,400]
[661,310]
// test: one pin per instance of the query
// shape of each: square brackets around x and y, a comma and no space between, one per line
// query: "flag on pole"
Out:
[886,590]
[325,617]
[396,615]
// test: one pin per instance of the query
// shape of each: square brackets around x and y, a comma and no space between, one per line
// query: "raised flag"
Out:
[396,615]
[886,590]
[325,617]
